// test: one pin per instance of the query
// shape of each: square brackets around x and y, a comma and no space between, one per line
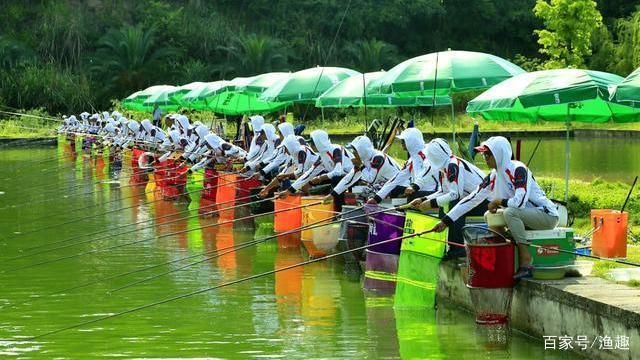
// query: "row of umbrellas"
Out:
[564,95]
[426,80]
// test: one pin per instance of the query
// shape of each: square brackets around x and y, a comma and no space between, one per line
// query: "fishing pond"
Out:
[55,275]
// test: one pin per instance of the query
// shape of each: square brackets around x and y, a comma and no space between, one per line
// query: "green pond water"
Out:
[612,159]
[314,311]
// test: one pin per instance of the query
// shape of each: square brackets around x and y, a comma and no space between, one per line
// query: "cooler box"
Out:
[550,263]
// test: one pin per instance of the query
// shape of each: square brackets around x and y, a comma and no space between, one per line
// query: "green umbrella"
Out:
[258,84]
[136,100]
[350,92]
[447,70]
[241,103]
[306,85]
[628,92]
[170,98]
[197,98]
[554,95]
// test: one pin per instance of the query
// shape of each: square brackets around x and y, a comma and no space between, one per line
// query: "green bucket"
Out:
[419,262]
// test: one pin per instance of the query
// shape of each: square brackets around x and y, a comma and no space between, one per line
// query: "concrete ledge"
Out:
[585,306]
[39,141]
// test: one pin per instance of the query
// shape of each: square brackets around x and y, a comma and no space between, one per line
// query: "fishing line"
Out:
[207,289]
[149,239]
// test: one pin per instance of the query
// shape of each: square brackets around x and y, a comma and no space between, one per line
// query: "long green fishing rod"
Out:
[229,283]
[72,221]
[110,236]
[314,225]
[99,182]
[148,202]
[234,248]
[83,194]
[149,239]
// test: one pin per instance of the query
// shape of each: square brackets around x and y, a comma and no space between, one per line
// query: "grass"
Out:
[601,268]
[35,123]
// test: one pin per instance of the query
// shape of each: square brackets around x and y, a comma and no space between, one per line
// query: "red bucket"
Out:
[245,187]
[210,182]
[491,265]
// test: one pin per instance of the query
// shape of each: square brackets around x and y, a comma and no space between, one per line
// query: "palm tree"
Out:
[256,54]
[13,53]
[129,59]
[371,55]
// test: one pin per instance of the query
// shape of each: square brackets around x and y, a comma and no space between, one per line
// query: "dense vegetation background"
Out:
[73,55]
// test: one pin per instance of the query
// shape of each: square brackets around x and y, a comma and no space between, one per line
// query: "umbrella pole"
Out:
[567,154]
[453,119]
[322,112]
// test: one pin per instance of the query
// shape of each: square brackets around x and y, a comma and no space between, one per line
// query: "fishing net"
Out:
[419,264]
[490,262]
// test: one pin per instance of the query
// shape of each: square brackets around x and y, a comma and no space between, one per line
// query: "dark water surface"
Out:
[306,312]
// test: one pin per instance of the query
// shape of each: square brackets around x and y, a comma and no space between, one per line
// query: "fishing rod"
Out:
[251,243]
[316,224]
[187,192]
[31,203]
[109,236]
[86,193]
[533,153]
[152,238]
[67,186]
[229,283]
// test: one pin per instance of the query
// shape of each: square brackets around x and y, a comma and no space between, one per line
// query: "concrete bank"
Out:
[582,306]
[39,141]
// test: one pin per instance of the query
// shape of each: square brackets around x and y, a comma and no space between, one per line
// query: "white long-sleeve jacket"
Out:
[417,171]
[457,177]
[377,167]
[512,182]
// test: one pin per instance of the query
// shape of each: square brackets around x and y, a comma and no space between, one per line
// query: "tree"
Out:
[569,26]
[130,59]
[255,54]
[371,55]
[627,52]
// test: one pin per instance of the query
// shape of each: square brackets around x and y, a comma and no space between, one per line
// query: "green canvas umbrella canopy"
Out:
[306,85]
[242,103]
[564,95]
[197,98]
[628,92]
[350,92]
[258,84]
[136,100]
[447,70]
[170,99]
[554,95]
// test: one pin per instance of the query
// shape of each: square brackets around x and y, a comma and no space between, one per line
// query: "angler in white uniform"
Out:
[511,186]
[257,145]
[335,159]
[457,178]
[280,157]
[301,158]
[268,138]
[371,166]
[417,177]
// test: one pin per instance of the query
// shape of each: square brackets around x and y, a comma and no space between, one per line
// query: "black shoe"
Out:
[525,272]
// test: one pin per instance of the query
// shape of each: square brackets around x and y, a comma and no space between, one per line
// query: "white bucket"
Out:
[495,219]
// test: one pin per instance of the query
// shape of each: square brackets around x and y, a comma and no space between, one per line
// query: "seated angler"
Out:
[269,168]
[417,178]
[269,140]
[334,159]
[370,166]
[457,179]
[509,185]
[257,145]
[300,159]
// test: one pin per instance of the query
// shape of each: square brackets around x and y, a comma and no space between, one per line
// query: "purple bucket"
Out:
[384,226]
[380,272]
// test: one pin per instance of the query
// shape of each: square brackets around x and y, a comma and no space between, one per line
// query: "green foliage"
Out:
[627,53]
[371,55]
[529,64]
[569,26]
[254,54]
[129,58]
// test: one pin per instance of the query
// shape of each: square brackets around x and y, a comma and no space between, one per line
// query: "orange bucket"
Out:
[287,220]
[610,235]
[226,194]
